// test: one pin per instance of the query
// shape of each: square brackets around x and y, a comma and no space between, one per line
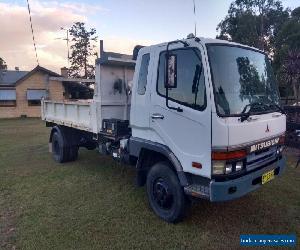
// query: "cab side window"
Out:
[142,82]
[190,89]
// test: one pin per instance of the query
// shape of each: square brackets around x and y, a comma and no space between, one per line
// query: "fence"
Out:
[288,100]
[293,126]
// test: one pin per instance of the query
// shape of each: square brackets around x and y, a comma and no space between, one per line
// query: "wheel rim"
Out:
[162,194]
[56,147]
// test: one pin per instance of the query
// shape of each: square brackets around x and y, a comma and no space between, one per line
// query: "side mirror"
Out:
[171,71]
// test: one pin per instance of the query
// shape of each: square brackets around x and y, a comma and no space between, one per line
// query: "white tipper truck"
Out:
[201,119]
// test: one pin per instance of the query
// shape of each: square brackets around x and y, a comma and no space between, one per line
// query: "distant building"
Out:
[21,91]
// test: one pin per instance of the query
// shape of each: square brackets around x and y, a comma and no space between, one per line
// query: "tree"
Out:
[253,22]
[287,56]
[291,71]
[3,64]
[82,50]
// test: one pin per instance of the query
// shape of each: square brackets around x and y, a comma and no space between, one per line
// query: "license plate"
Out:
[268,176]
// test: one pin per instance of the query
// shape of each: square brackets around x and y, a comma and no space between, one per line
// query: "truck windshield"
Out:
[242,77]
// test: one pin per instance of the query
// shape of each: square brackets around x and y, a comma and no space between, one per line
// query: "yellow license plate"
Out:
[268,176]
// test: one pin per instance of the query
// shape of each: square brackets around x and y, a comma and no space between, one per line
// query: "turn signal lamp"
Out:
[231,155]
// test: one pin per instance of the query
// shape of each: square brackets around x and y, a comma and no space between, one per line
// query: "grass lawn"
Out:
[93,203]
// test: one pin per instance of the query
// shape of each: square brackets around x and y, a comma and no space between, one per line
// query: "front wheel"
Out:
[165,194]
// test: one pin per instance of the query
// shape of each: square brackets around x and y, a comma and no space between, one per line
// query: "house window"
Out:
[7,103]
[34,96]
[34,102]
[7,97]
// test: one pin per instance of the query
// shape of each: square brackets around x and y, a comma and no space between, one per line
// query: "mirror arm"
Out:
[178,109]
[185,44]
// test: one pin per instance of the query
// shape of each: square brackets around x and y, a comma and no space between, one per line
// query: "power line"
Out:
[36,56]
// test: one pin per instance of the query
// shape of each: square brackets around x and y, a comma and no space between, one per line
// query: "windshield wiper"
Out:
[246,114]
[196,81]
[274,104]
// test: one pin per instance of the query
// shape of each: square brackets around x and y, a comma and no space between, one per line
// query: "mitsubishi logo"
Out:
[267,129]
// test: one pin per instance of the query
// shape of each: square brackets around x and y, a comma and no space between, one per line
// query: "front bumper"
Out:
[232,189]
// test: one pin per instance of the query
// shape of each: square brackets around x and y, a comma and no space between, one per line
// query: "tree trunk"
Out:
[85,68]
[297,89]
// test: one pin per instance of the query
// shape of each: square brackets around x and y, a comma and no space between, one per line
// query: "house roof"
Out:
[112,58]
[12,77]
[36,69]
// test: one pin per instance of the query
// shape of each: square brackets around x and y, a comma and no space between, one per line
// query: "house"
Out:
[21,91]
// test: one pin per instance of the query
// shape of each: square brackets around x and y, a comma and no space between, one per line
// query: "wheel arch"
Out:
[148,153]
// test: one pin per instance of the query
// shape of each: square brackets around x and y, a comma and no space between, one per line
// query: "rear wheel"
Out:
[165,194]
[61,150]
[73,153]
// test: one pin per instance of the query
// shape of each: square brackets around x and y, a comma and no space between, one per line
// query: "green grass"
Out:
[93,203]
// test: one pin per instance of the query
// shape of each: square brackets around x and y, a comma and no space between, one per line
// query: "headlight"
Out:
[223,167]
[218,167]
[280,149]
[227,162]
[228,168]
[238,166]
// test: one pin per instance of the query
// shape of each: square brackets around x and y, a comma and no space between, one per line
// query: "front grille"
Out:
[257,159]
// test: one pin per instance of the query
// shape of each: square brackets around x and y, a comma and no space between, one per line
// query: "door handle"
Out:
[157,116]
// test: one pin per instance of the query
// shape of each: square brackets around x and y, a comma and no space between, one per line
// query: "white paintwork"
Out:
[66,79]
[140,108]
[107,103]
[191,135]
[72,114]
[187,133]
[244,132]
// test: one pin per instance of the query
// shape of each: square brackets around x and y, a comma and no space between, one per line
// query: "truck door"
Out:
[140,109]
[187,130]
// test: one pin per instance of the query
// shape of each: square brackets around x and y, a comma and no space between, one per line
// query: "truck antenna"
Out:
[195,18]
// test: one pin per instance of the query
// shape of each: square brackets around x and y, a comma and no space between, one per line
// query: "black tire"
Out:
[59,150]
[73,153]
[165,194]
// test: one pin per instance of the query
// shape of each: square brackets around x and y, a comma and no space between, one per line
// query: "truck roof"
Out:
[210,41]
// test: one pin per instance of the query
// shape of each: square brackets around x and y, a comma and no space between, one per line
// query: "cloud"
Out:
[16,46]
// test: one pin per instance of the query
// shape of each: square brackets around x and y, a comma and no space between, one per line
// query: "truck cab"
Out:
[201,120]
[214,106]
